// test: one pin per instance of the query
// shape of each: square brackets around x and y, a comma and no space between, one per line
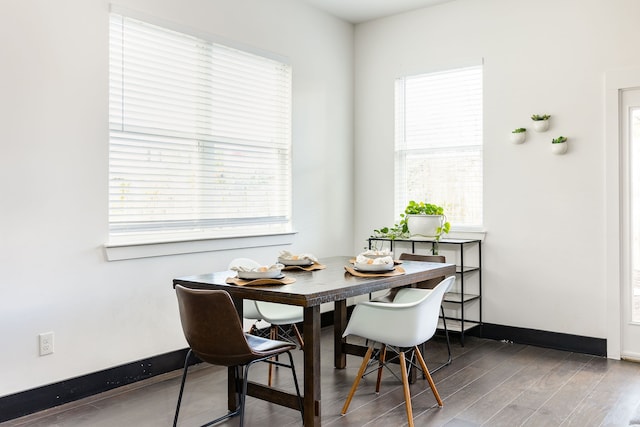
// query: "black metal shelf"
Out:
[459,324]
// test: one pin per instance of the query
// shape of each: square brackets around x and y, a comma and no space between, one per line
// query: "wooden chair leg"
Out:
[363,367]
[383,355]
[273,334]
[298,336]
[428,375]
[405,388]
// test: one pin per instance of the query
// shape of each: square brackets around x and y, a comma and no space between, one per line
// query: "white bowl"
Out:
[299,261]
[252,275]
[363,266]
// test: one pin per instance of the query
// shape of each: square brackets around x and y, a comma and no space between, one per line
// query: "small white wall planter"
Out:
[559,145]
[540,122]
[518,136]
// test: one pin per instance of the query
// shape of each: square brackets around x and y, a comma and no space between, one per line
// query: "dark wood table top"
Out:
[313,288]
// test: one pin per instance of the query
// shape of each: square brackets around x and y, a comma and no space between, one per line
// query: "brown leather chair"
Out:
[213,329]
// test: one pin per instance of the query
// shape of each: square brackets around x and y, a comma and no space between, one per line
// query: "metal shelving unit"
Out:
[464,294]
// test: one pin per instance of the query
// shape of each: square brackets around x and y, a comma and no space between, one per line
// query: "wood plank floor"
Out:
[489,383]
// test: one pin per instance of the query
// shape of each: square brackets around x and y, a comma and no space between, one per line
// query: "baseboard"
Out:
[49,396]
[555,340]
[52,395]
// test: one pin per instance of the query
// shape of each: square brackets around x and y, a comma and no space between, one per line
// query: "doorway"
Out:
[629,115]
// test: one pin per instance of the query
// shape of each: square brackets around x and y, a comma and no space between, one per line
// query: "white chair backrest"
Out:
[411,319]
[428,312]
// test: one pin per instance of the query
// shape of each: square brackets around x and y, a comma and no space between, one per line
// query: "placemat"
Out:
[397,271]
[395,261]
[314,266]
[260,282]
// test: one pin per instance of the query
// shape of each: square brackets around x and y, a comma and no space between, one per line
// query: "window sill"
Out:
[123,250]
[467,233]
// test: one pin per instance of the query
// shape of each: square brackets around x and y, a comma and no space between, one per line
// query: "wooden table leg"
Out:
[339,324]
[312,374]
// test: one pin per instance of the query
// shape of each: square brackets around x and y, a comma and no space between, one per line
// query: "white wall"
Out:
[544,214]
[53,172]
[544,251]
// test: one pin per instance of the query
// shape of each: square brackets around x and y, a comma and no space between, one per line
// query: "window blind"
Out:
[199,135]
[438,142]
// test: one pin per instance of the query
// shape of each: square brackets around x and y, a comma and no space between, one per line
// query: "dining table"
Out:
[333,281]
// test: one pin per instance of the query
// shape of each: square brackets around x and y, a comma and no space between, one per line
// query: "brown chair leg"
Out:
[363,367]
[428,375]
[273,334]
[383,355]
[405,388]
[298,336]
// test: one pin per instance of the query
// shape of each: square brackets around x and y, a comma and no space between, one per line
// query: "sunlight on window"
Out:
[439,143]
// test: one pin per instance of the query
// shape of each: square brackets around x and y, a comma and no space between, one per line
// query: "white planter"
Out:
[518,138]
[424,227]
[559,148]
[541,125]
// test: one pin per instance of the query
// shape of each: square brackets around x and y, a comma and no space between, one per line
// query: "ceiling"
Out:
[357,11]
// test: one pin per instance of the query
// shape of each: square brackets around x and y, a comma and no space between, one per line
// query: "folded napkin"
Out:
[363,259]
[373,253]
[286,255]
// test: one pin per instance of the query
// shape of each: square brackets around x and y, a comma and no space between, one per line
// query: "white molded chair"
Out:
[417,310]
[277,315]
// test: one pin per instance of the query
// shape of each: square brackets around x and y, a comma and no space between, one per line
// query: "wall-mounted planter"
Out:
[559,145]
[518,136]
[541,125]
[540,122]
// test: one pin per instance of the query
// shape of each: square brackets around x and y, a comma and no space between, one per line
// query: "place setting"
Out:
[304,262]
[374,263]
[252,273]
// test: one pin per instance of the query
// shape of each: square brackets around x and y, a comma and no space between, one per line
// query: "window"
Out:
[199,136]
[438,143]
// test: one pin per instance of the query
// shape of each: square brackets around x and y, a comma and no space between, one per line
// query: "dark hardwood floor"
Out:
[489,383]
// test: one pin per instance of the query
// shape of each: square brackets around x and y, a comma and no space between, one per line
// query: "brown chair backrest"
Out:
[212,327]
[427,284]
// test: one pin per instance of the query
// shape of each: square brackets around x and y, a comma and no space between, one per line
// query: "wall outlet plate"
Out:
[46,343]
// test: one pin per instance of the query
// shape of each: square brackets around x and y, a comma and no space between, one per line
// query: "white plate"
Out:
[373,267]
[252,275]
[301,261]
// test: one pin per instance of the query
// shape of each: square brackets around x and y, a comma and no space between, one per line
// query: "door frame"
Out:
[615,82]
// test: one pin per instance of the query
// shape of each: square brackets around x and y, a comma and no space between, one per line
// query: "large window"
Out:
[438,143]
[199,136]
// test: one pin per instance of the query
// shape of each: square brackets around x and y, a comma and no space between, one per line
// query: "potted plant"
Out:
[559,145]
[420,221]
[518,135]
[540,122]
[425,220]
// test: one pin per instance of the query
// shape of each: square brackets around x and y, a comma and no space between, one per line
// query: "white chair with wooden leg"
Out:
[417,310]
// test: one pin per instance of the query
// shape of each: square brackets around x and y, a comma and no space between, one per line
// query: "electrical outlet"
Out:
[46,343]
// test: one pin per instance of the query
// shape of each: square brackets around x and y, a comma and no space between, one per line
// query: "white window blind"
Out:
[438,143]
[199,135]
